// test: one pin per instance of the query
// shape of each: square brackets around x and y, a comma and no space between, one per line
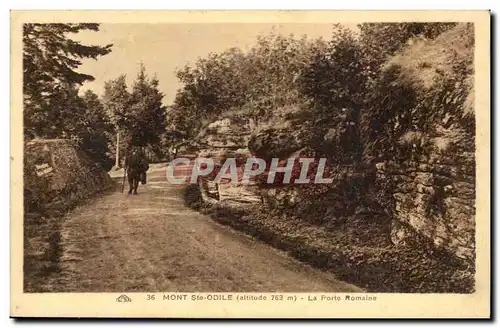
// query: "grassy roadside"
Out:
[42,244]
[346,251]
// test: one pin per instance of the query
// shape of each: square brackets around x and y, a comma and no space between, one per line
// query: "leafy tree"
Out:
[274,66]
[339,88]
[50,60]
[214,85]
[145,118]
[182,127]
[138,116]
[336,81]
[97,130]
[116,100]
[66,114]
[255,83]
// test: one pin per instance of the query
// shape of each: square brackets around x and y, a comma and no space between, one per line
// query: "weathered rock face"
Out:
[432,188]
[274,142]
[57,174]
[287,132]
[220,140]
[239,137]
[435,200]
[226,134]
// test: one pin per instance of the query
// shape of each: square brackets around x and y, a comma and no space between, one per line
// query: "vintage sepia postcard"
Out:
[250,164]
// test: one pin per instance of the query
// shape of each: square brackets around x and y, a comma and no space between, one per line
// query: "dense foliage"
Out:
[255,83]
[53,107]
[139,116]
[350,100]
[50,62]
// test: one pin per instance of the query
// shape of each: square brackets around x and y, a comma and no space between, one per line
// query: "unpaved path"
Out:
[152,242]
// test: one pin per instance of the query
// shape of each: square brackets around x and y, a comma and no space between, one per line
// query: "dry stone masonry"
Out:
[435,200]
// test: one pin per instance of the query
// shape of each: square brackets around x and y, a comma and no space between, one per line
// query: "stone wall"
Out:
[430,177]
[57,175]
[436,200]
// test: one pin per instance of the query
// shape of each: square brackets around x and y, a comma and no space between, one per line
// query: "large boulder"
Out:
[274,142]
[286,132]
[221,139]
[57,174]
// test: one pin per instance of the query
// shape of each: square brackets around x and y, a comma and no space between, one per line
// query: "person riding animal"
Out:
[136,165]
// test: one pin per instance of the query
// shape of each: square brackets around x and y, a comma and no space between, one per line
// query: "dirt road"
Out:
[152,242]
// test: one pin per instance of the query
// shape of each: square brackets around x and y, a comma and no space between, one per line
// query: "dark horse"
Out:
[136,165]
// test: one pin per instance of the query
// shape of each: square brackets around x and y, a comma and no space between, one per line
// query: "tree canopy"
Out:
[139,115]
[350,95]
[50,62]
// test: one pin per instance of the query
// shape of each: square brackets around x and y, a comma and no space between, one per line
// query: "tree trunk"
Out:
[117,161]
